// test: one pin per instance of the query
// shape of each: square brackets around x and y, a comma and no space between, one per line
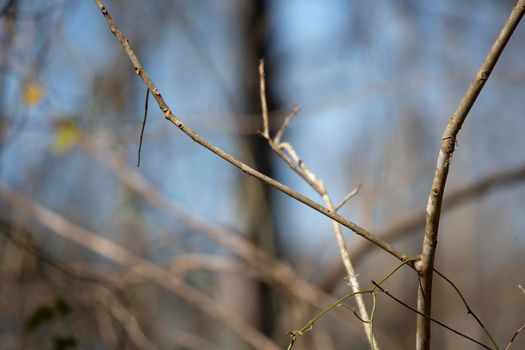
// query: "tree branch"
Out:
[292,159]
[448,144]
[168,114]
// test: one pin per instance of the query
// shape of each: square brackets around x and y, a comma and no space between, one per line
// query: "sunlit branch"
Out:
[448,145]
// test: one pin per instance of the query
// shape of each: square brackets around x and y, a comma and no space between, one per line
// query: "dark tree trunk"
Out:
[260,206]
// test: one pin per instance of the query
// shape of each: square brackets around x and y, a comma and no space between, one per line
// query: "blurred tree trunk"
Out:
[255,199]
[260,203]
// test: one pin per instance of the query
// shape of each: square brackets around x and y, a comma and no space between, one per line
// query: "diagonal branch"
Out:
[228,157]
[448,144]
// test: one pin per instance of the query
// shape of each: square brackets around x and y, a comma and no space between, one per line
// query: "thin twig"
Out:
[448,144]
[349,196]
[309,325]
[292,158]
[143,125]
[168,114]
[264,104]
[125,316]
[280,131]
[385,291]
[354,312]
[469,310]
[514,336]
[290,151]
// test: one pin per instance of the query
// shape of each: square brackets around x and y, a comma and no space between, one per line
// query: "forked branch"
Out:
[168,114]
[448,145]
[288,153]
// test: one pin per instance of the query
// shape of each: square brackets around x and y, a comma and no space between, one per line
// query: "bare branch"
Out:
[264,104]
[448,144]
[312,178]
[282,128]
[349,196]
[168,114]
[294,161]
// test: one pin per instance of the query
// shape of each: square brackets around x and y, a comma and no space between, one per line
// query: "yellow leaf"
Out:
[33,93]
[65,138]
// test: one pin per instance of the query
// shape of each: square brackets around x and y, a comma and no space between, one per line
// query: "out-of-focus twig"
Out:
[125,317]
[191,341]
[180,266]
[139,265]
[448,144]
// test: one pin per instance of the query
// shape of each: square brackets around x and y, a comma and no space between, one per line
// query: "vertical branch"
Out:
[288,154]
[264,104]
[448,144]
[352,276]
[143,126]
[257,200]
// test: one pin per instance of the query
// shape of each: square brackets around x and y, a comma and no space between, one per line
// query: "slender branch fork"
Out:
[168,114]
[448,144]
[287,153]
